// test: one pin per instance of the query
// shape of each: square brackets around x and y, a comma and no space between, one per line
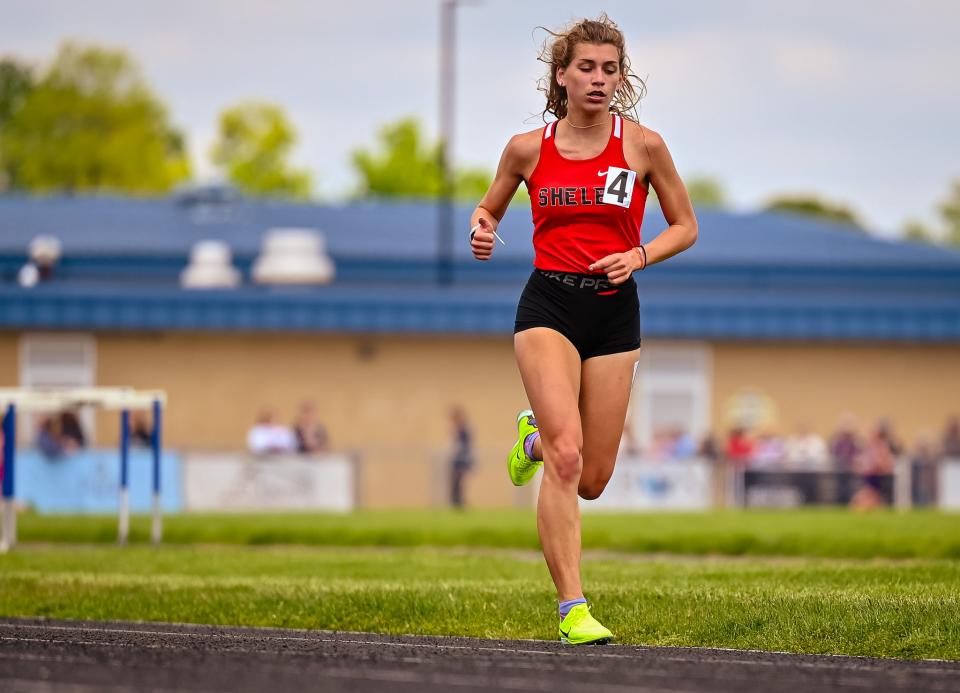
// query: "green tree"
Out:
[404,164]
[950,213]
[90,124]
[16,83]
[253,147]
[812,206]
[706,192]
[918,232]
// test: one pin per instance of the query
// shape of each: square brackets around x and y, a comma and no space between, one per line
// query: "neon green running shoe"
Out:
[580,628]
[520,465]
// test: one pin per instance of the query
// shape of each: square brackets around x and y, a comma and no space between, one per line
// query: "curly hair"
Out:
[558,52]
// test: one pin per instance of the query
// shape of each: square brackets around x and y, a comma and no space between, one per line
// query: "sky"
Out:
[854,100]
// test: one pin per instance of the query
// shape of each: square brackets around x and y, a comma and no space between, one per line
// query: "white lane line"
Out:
[695,656]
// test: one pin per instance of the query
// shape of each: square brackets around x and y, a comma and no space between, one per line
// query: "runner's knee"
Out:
[563,460]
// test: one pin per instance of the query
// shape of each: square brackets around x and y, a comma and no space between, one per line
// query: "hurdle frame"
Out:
[51,400]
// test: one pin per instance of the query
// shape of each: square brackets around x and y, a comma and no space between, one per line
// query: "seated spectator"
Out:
[72,437]
[141,433]
[60,434]
[270,438]
[806,450]
[48,437]
[310,433]
[950,447]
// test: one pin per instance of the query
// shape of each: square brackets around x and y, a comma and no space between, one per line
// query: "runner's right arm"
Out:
[514,165]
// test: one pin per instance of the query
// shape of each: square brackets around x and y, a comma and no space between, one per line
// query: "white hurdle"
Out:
[50,400]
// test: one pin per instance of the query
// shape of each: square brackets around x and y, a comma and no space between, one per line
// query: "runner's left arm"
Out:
[681,232]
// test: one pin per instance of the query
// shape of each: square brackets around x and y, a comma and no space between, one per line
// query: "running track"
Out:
[85,656]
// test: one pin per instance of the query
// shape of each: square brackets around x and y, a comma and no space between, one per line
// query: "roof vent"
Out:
[210,267]
[206,194]
[45,250]
[44,253]
[293,256]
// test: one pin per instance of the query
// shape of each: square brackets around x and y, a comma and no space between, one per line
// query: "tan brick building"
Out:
[769,317]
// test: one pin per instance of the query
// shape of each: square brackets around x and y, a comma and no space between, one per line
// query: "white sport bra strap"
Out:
[617,123]
[547,131]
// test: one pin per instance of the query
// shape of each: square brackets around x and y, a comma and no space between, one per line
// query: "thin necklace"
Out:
[584,127]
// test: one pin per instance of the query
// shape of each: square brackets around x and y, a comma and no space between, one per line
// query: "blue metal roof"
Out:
[750,276]
[407,230]
[690,313]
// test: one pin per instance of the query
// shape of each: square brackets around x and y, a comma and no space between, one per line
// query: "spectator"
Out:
[684,446]
[806,450]
[60,434]
[769,451]
[268,437]
[951,439]
[845,444]
[923,468]
[72,437]
[661,444]
[739,447]
[875,465]
[311,435]
[628,441]
[141,433]
[885,430]
[48,437]
[710,448]
[461,456]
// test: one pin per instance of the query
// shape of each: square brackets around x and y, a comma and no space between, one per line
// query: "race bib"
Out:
[618,188]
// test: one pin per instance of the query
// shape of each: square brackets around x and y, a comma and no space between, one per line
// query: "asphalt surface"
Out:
[38,655]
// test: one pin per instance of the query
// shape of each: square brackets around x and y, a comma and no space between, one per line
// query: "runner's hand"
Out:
[618,266]
[482,242]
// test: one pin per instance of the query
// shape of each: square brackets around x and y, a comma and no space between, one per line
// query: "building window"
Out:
[672,390]
[56,360]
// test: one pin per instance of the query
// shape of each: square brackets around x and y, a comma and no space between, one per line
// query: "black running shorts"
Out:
[597,317]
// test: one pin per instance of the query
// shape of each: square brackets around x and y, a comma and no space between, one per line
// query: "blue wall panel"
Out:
[89,481]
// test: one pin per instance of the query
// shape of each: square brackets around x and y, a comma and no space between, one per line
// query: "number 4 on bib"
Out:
[618,188]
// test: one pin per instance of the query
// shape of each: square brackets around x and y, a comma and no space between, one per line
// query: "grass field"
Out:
[815,533]
[880,608]
[814,581]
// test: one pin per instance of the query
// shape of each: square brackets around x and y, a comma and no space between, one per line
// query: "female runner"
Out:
[577,332]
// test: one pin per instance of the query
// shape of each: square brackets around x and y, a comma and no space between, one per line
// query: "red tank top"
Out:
[584,210]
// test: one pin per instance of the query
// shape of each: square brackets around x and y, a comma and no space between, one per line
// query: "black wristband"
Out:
[644,251]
